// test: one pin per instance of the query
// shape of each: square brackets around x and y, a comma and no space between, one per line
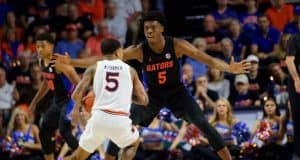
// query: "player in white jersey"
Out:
[116,85]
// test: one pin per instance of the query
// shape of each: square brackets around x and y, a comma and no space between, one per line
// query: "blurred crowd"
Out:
[259,34]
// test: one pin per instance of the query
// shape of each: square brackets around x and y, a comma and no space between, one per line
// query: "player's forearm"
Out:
[219,64]
[36,146]
[84,63]
[292,68]
[43,90]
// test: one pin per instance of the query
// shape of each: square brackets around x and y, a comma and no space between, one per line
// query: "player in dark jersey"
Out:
[59,80]
[159,57]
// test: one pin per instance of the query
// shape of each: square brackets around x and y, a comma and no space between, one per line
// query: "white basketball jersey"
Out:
[112,86]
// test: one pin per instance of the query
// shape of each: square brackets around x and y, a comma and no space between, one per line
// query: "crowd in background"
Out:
[259,34]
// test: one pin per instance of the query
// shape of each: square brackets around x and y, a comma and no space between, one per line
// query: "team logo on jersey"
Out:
[168,55]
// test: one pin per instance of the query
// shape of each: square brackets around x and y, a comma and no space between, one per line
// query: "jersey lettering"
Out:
[159,66]
[49,77]
[112,81]
[162,78]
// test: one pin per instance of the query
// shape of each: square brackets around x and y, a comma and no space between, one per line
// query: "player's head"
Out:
[45,45]
[111,47]
[153,23]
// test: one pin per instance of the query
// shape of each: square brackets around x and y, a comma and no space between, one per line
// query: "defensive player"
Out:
[59,80]
[159,57]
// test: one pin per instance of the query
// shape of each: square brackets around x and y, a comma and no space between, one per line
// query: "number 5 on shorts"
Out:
[162,78]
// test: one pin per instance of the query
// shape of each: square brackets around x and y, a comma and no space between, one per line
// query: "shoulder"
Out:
[288,7]
[274,31]
[132,71]
[234,121]
[35,128]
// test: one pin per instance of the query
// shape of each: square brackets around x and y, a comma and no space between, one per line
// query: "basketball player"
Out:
[159,57]
[114,83]
[59,80]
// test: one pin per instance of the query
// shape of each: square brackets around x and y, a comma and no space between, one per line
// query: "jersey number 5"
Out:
[162,78]
[112,81]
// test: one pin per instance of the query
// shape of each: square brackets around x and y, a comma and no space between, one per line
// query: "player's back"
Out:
[112,86]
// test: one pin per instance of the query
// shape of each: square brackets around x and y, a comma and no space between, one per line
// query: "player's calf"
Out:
[130,151]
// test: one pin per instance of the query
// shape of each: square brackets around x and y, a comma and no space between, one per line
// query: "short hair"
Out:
[227,40]
[199,40]
[154,16]
[45,37]
[109,46]
[263,16]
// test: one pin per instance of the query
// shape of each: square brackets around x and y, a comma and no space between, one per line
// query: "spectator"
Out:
[84,25]
[257,82]
[280,14]
[93,44]
[252,13]
[198,67]
[130,10]
[271,115]
[10,47]
[25,133]
[217,82]
[8,95]
[211,34]
[249,20]
[223,14]
[278,84]
[20,70]
[43,19]
[223,120]
[117,25]
[265,44]
[188,78]
[4,9]
[72,45]
[92,8]
[207,96]
[242,96]
[227,49]
[272,148]
[238,39]
[293,27]
[10,23]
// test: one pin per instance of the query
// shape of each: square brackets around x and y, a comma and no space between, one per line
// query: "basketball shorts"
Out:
[101,125]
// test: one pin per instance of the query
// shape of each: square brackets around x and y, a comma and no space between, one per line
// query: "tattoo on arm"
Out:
[83,85]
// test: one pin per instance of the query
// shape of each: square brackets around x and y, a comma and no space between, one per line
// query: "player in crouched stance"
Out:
[115,85]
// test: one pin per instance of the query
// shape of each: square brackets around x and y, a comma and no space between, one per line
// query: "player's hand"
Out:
[239,67]
[297,85]
[74,115]
[59,58]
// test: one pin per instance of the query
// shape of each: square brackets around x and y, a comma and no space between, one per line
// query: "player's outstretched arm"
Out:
[78,62]
[182,47]
[69,72]
[43,90]
[139,95]
[83,85]
[132,52]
